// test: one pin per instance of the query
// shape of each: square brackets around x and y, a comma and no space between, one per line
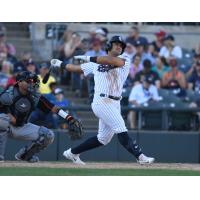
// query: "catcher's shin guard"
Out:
[46,137]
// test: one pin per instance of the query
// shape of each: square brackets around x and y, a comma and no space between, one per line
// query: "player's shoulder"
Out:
[125,57]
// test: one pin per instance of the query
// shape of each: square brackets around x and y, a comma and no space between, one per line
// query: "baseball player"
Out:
[110,73]
[16,105]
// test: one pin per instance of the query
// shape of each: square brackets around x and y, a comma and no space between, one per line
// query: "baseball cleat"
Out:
[33,159]
[73,157]
[145,160]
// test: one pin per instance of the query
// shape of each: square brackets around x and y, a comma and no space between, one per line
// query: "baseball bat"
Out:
[46,77]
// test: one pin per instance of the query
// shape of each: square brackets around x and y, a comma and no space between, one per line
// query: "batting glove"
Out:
[83,58]
[55,63]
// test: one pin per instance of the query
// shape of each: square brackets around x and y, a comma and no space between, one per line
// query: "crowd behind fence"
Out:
[173,71]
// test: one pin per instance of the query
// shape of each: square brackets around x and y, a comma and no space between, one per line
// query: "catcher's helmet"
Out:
[25,75]
[116,38]
[31,78]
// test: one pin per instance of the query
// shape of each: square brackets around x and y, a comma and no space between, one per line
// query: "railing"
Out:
[166,110]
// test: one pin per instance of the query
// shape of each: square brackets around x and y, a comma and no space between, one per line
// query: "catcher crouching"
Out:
[16,105]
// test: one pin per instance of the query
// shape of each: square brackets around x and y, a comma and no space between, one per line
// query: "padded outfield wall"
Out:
[170,147]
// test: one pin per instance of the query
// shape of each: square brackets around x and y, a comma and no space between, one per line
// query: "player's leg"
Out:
[104,137]
[111,116]
[4,131]
[40,138]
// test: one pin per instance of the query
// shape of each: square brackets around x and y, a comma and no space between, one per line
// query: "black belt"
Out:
[111,97]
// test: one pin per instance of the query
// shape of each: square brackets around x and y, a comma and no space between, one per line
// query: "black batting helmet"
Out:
[116,38]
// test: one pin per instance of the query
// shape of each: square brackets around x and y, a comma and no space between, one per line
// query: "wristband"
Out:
[93,59]
[63,114]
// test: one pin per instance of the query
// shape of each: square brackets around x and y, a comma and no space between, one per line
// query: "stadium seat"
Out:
[182,121]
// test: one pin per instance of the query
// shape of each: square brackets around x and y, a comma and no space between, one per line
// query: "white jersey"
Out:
[108,80]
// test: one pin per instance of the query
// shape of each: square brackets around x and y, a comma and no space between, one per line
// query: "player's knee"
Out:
[104,140]
[47,134]
[123,138]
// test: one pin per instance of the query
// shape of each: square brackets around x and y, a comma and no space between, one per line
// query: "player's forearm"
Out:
[109,60]
[74,68]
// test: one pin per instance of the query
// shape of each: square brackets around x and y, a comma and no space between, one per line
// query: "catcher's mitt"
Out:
[75,129]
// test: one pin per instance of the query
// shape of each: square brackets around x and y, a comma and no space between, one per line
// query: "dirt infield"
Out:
[103,165]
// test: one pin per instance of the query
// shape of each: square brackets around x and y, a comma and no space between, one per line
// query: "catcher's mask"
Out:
[30,78]
[115,38]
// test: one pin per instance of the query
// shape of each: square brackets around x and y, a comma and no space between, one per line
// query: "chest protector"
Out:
[21,107]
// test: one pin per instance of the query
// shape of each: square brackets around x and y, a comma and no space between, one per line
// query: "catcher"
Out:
[16,105]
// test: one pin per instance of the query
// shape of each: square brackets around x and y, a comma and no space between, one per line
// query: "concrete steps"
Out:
[18,34]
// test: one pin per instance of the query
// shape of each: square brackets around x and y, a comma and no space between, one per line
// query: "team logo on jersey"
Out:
[105,68]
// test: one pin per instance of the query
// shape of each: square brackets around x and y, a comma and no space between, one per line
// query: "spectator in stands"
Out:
[4,55]
[140,94]
[72,41]
[194,79]
[72,46]
[75,77]
[51,96]
[10,47]
[170,49]
[101,34]
[142,50]
[151,53]
[12,80]
[134,35]
[196,49]
[31,67]
[60,100]
[96,49]
[129,50]
[174,79]
[161,66]
[63,103]
[66,37]
[5,73]
[139,77]
[135,67]
[196,57]
[25,58]
[92,34]
[159,42]
[44,88]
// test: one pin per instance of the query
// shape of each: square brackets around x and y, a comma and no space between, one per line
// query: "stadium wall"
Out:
[169,147]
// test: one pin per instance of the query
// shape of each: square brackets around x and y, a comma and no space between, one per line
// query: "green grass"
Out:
[32,171]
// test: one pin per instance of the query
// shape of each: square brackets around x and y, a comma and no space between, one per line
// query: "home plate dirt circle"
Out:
[103,165]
